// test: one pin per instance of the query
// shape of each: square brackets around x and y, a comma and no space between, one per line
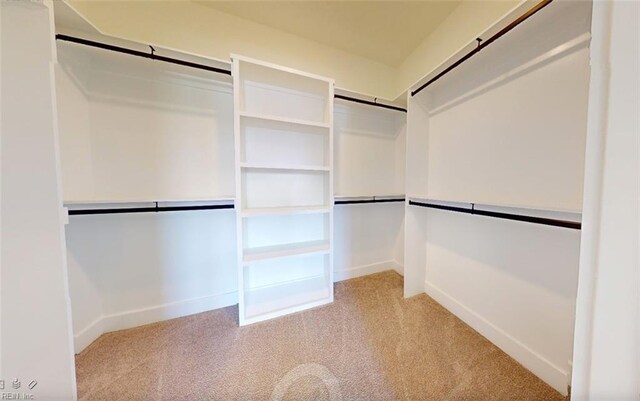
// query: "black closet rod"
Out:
[482,44]
[370,103]
[138,53]
[358,201]
[508,216]
[155,209]
[154,56]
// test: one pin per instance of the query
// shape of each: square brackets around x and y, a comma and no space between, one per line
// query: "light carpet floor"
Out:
[370,344]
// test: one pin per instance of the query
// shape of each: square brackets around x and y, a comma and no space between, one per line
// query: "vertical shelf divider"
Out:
[283,126]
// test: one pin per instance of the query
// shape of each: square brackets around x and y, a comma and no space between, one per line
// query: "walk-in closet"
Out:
[319,200]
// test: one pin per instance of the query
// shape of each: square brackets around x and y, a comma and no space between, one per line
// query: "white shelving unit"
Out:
[283,122]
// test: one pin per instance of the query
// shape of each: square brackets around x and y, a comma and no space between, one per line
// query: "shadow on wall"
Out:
[543,256]
[122,265]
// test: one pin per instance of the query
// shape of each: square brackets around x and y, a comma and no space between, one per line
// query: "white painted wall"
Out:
[369,150]
[127,270]
[508,127]
[368,238]
[119,141]
[198,24]
[468,21]
[513,282]
[36,322]
[607,340]
[136,129]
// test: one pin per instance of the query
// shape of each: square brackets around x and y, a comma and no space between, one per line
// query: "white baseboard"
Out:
[398,267]
[536,363]
[353,272]
[139,317]
[88,335]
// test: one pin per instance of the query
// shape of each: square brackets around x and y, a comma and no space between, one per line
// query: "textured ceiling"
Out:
[384,31]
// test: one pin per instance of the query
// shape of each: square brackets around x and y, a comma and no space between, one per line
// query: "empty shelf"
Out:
[282,251]
[265,211]
[286,120]
[276,300]
[284,167]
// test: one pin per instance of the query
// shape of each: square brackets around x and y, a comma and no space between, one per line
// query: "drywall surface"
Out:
[128,270]
[607,344]
[36,322]
[367,238]
[124,135]
[508,127]
[203,30]
[461,27]
[132,129]
[513,282]
[369,148]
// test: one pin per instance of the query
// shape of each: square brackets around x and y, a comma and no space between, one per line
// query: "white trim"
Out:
[88,335]
[157,313]
[551,374]
[289,70]
[139,317]
[580,42]
[357,271]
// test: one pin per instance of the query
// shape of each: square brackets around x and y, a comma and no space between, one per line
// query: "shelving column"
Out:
[284,189]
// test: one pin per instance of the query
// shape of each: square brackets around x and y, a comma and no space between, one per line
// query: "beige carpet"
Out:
[370,344]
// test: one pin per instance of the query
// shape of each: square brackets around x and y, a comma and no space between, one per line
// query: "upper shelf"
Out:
[561,218]
[268,211]
[282,94]
[143,206]
[281,119]
[286,250]
[284,167]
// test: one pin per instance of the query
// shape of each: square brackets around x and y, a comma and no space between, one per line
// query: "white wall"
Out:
[513,282]
[127,134]
[607,341]
[36,326]
[468,21]
[369,161]
[193,27]
[507,128]
[127,270]
[369,150]
[368,238]
[136,129]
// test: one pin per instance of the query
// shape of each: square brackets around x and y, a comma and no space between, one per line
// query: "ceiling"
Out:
[384,31]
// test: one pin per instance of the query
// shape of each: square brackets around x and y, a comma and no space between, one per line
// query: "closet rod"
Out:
[508,216]
[374,200]
[482,44]
[138,53]
[154,56]
[370,103]
[148,209]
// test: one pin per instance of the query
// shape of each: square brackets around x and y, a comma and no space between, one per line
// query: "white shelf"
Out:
[284,188]
[277,300]
[225,198]
[286,120]
[283,251]
[563,214]
[268,211]
[284,167]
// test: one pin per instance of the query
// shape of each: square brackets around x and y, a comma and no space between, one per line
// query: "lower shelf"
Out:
[277,300]
[282,251]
